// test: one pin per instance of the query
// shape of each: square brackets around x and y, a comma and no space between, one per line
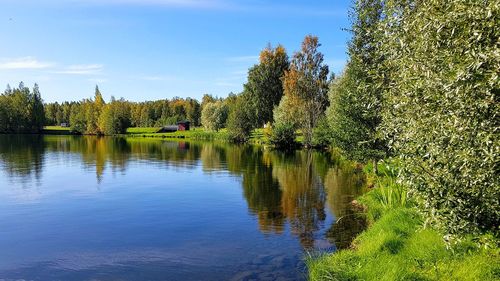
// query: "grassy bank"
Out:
[56,130]
[397,246]
[258,136]
[194,133]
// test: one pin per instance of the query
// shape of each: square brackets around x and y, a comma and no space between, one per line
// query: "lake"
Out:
[109,208]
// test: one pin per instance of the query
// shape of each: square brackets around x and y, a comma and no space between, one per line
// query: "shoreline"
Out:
[399,244]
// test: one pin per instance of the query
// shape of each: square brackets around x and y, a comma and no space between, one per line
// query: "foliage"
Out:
[77,118]
[306,85]
[21,110]
[239,123]
[356,97]
[214,115]
[115,118]
[287,112]
[264,88]
[283,135]
[322,134]
[442,107]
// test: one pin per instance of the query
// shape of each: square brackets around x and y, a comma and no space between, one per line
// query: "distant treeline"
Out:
[21,110]
[95,116]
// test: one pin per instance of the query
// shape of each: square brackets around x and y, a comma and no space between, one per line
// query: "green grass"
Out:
[194,133]
[397,246]
[56,130]
[257,136]
[139,130]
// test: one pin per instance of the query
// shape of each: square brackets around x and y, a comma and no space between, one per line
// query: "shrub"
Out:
[322,134]
[283,135]
[239,123]
[442,107]
[214,115]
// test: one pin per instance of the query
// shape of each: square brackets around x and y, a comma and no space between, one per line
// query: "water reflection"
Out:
[301,194]
[22,156]
[343,185]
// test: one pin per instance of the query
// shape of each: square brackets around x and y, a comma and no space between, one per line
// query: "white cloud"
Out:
[24,63]
[82,69]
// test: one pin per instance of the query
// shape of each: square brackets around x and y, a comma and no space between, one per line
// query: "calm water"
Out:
[88,208]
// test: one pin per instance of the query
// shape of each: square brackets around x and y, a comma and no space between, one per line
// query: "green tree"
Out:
[264,88]
[115,117]
[37,110]
[77,119]
[214,115]
[239,123]
[356,97]
[442,107]
[22,110]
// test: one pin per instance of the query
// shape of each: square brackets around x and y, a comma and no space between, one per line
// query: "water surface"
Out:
[89,208]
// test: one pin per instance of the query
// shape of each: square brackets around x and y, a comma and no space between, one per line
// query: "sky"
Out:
[156,49]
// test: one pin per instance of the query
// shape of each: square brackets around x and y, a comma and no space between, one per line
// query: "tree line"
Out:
[95,116]
[21,110]
[421,84]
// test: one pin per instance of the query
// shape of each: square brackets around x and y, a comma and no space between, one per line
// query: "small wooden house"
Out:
[183,125]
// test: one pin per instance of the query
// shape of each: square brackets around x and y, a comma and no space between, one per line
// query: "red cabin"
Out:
[183,125]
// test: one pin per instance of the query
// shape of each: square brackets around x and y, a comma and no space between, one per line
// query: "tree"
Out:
[214,115]
[115,117]
[442,108]
[239,123]
[77,118]
[93,111]
[356,97]
[37,110]
[306,86]
[22,110]
[193,111]
[264,88]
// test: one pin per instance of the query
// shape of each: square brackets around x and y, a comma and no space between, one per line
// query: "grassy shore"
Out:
[56,130]
[397,246]
[194,133]
[257,137]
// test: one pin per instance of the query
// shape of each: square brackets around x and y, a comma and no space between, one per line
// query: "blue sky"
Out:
[155,49]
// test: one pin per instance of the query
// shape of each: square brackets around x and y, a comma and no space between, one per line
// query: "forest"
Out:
[421,87]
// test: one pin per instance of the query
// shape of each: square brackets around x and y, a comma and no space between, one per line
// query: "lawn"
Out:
[56,128]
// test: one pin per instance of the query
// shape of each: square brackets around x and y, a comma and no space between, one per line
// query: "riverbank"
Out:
[397,246]
[197,133]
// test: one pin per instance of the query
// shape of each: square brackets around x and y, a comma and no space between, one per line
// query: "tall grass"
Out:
[397,246]
[390,194]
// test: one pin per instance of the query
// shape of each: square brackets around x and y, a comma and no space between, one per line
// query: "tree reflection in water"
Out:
[296,188]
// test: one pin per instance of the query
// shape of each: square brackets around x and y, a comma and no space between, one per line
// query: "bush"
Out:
[442,108]
[239,123]
[214,115]
[283,135]
[322,134]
